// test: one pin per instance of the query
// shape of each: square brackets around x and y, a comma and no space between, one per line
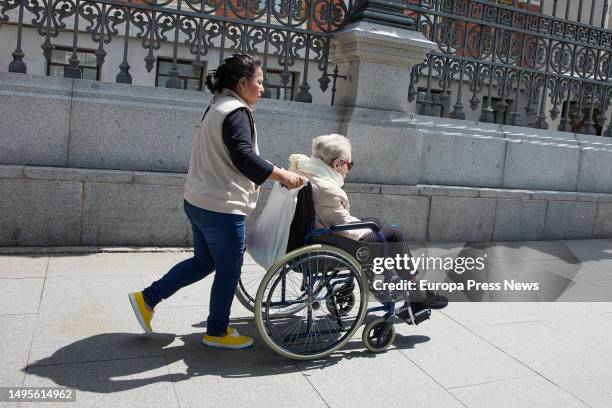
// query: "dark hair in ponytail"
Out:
[231,70]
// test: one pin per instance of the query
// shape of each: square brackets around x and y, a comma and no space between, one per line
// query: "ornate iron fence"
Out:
[287,30]
[522,63]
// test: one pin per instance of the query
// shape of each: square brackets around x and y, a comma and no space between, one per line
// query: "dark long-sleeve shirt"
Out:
[237,137]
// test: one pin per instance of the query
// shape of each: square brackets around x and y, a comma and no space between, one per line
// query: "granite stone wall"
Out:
[92,163]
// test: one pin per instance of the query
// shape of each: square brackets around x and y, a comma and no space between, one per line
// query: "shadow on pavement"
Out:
[136,355]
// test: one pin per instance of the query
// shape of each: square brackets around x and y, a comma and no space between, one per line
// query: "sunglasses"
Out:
[349,164]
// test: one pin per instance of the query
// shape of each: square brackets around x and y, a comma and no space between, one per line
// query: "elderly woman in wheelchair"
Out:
[313,300]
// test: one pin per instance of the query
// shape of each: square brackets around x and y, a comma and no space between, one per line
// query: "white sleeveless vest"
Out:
[213,182]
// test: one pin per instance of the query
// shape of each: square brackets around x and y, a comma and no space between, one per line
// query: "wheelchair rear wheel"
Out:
[292,307]
[247,287]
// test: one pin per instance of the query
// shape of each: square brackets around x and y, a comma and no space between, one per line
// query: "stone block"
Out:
[74,174]
[11,171]
[377,156]
[366,205]
[137,94]
[292,109]
[540,165]
[167,179]
[569,220]
[376,60]
[461,219]
[42,139]
[281,134]
[451,191]
[462,160]
[133,214]
[112,127]
[39,213]
[603,221]
[362,188]
[409,211]
[595,174]
[362,87]
[519,220]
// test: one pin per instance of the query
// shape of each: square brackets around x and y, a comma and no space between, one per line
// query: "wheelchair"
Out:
[313,300]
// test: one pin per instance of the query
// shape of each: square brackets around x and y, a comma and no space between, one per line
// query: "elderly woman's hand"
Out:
[287,178]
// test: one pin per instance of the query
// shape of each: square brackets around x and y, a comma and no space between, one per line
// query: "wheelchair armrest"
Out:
[346,227]
[356,225]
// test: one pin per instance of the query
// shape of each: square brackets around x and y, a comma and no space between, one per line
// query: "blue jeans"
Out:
[218,245]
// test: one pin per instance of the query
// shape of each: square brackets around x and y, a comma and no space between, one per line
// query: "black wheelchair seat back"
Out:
[303,221]
[303,232]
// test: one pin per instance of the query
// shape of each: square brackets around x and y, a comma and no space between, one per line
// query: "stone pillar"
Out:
[377,59]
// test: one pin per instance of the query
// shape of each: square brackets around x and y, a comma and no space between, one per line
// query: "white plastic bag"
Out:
[267,238]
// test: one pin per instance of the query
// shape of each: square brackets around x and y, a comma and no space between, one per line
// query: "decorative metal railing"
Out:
[519,63]
[287,30]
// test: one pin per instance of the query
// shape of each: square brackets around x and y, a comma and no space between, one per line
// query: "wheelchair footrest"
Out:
[422,315]
[419,313]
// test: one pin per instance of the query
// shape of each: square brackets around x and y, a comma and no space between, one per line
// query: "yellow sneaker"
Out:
[232,340]
[143,314]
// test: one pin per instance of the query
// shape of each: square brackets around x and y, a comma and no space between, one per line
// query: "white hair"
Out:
[330,147]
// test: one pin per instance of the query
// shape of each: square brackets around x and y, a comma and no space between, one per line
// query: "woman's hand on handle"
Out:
[287,178]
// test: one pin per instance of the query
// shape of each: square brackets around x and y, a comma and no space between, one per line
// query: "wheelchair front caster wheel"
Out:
[375,337]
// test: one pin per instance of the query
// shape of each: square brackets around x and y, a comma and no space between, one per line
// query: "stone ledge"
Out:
[555,196]
[362,188]
[90,175]
[12,82]
[398,189]
[452,191]
[504,193]
[178,179]
[168,179]
[594,141]
[538,135]
[74,174]
[12,171]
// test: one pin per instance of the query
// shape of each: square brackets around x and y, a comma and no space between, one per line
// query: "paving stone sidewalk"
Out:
[65,320]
